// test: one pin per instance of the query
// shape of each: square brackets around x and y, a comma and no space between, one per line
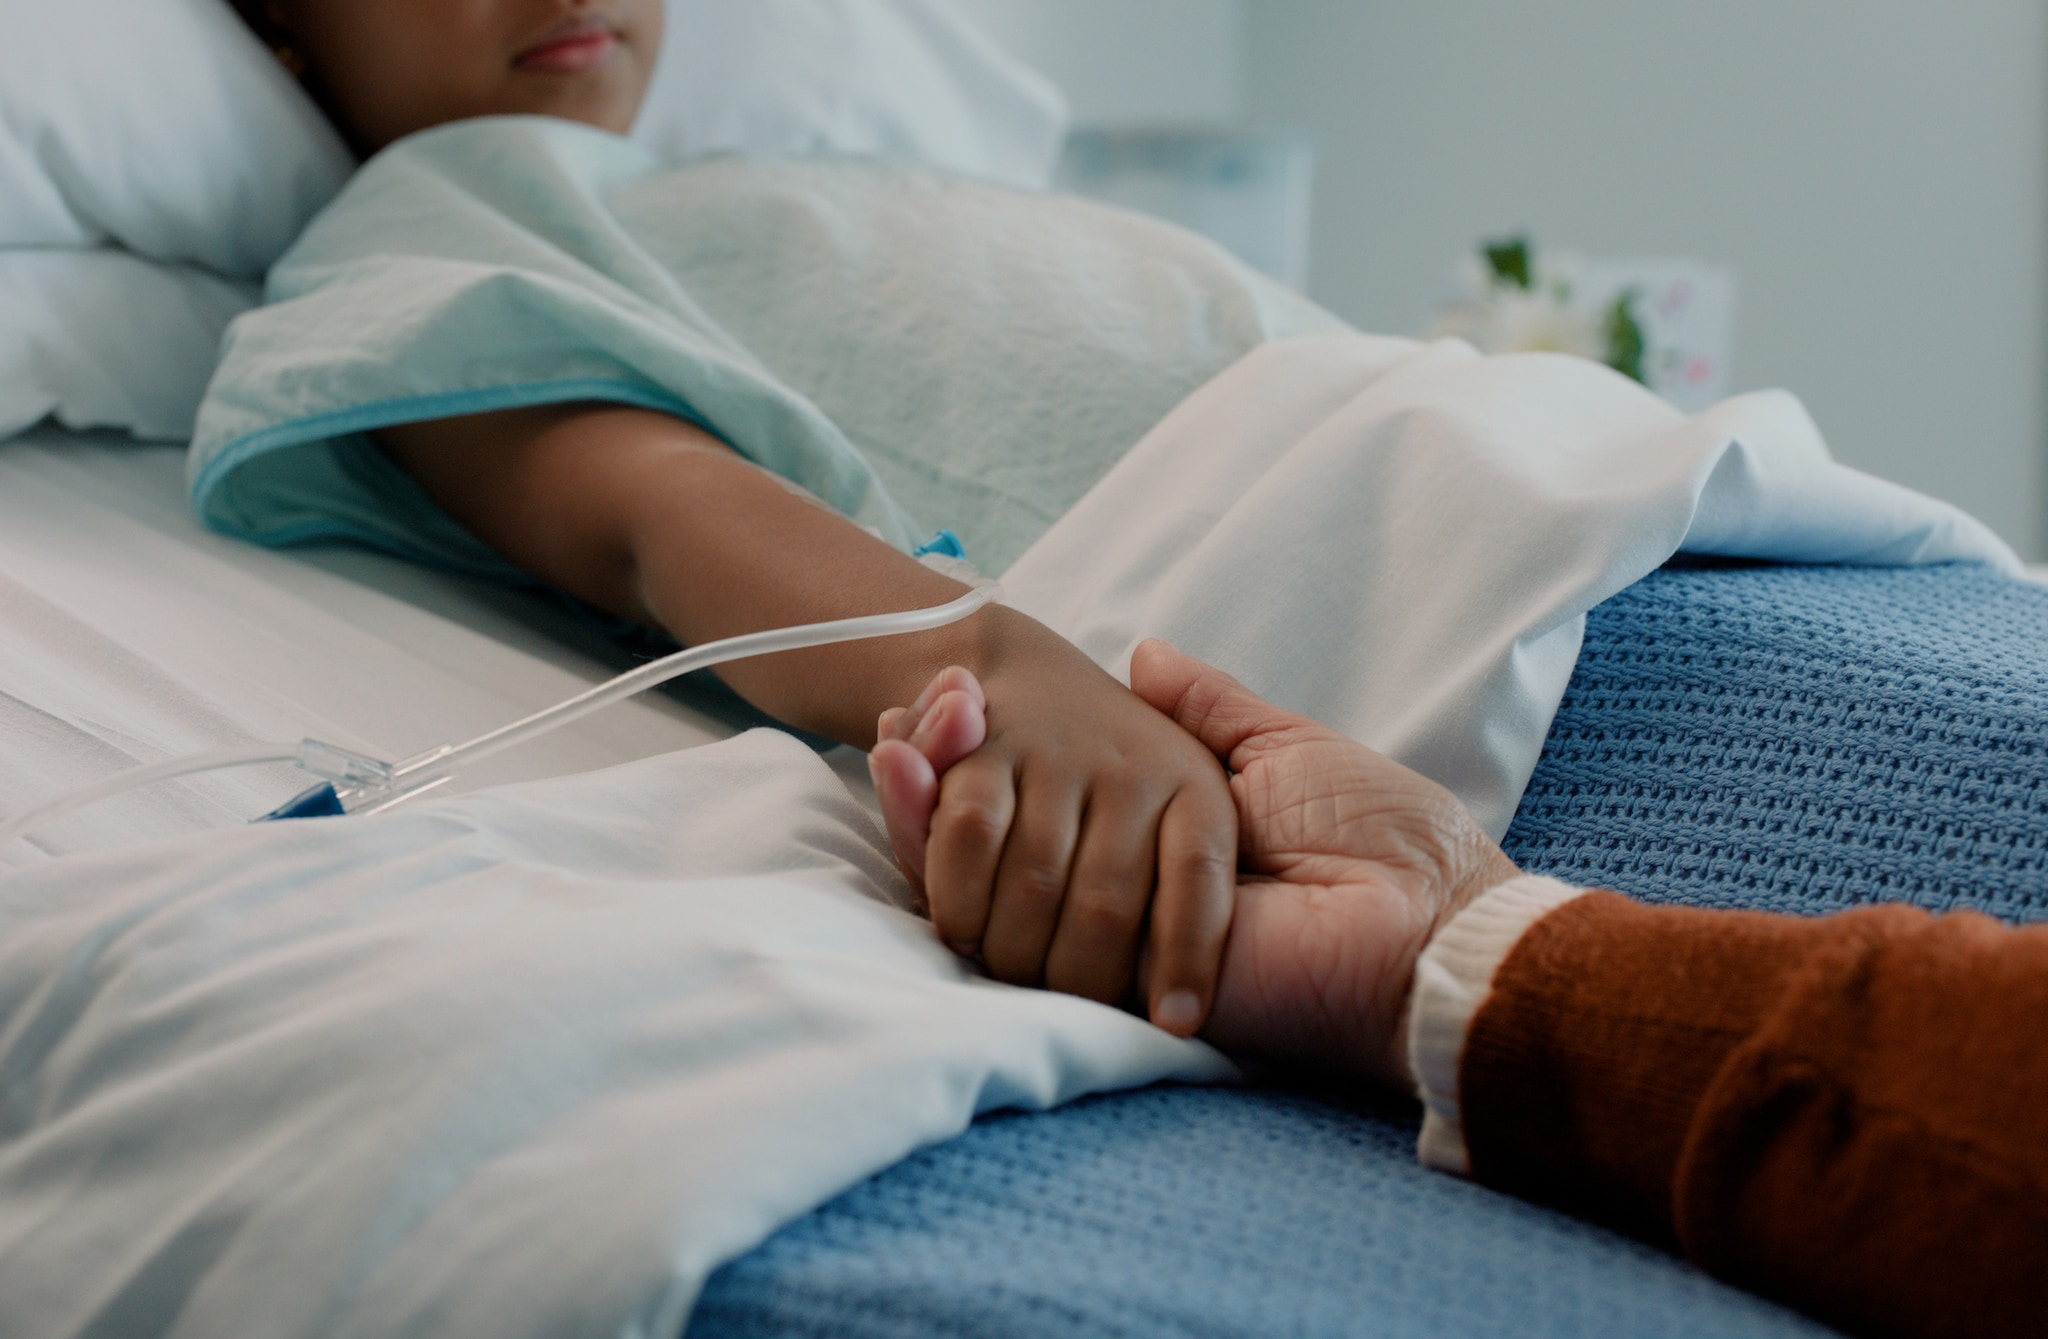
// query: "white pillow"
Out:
[104,339]
[908,79]
[164,128]
[161,126]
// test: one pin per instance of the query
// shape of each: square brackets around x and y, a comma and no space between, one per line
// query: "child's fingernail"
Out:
[927,728]
[1179,1012]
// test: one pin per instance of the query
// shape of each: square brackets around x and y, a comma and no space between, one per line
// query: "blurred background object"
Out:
[1684,314]
[1873,173]
[1667,323]
[1251,190]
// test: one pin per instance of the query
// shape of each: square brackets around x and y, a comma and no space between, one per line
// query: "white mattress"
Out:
[129,634]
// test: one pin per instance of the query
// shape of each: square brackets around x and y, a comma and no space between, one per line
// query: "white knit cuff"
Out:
[1452,979]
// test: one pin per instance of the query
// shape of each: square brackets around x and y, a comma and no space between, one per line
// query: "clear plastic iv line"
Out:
[365,783]
[429,768]
[339,766]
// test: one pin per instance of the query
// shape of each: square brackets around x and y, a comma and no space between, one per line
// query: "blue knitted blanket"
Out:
[1794,739]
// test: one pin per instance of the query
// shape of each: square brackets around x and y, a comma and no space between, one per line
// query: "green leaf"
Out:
[1626,346]
[1512,262]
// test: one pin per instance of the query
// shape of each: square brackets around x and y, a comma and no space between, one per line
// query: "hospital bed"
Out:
[1736,735]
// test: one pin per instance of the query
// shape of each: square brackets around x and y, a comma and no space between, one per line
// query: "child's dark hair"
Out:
[257,15]
[254,13]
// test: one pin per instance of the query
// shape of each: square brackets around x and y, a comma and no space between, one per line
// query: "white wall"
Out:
[1128,60]
[1875,171]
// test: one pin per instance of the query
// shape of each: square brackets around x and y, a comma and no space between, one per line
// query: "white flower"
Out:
[1513,320]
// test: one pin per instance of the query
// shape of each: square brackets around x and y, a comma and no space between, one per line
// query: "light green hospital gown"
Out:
[918,350]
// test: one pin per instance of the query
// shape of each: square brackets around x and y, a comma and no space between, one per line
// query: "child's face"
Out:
[389,67]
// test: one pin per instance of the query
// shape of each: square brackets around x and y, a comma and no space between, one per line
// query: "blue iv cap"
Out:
[318,802]
[945,543]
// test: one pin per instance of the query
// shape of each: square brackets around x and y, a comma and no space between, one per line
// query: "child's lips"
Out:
[572,49]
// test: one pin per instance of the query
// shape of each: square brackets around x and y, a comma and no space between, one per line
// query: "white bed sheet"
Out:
[1403,540]
[525,1063]
[194,1016]
[129,634]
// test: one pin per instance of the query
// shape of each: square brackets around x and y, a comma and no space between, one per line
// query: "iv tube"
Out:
[365,782]
[63,806]
[441,763]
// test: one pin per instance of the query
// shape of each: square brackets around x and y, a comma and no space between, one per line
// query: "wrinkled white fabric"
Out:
[529,1063]
[131,635]
[535,1061]
[160,126]
[159,147]
[1402,540]
[103,338]
[164,127]
[526,1063]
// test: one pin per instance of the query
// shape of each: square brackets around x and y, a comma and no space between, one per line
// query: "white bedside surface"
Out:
[128,633]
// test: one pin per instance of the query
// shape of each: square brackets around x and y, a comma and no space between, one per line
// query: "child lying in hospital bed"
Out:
[654,518]
[515,346]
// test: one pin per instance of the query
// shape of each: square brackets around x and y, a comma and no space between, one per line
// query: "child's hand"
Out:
[915,746]
[1049,837]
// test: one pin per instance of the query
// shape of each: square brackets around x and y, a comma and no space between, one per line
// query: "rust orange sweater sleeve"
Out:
[1848,1114]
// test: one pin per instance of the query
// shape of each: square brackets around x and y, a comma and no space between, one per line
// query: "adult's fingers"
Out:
[1191,912]
[1094,952]
[1031,883]
[1204,701]
[970,827]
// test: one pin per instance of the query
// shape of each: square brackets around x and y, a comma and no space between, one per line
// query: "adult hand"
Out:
[1350,863]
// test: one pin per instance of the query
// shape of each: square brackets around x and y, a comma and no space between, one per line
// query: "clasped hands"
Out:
[1349,863]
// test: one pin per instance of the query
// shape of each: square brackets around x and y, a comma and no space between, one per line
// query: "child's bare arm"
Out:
[654,520]
[1082,801]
